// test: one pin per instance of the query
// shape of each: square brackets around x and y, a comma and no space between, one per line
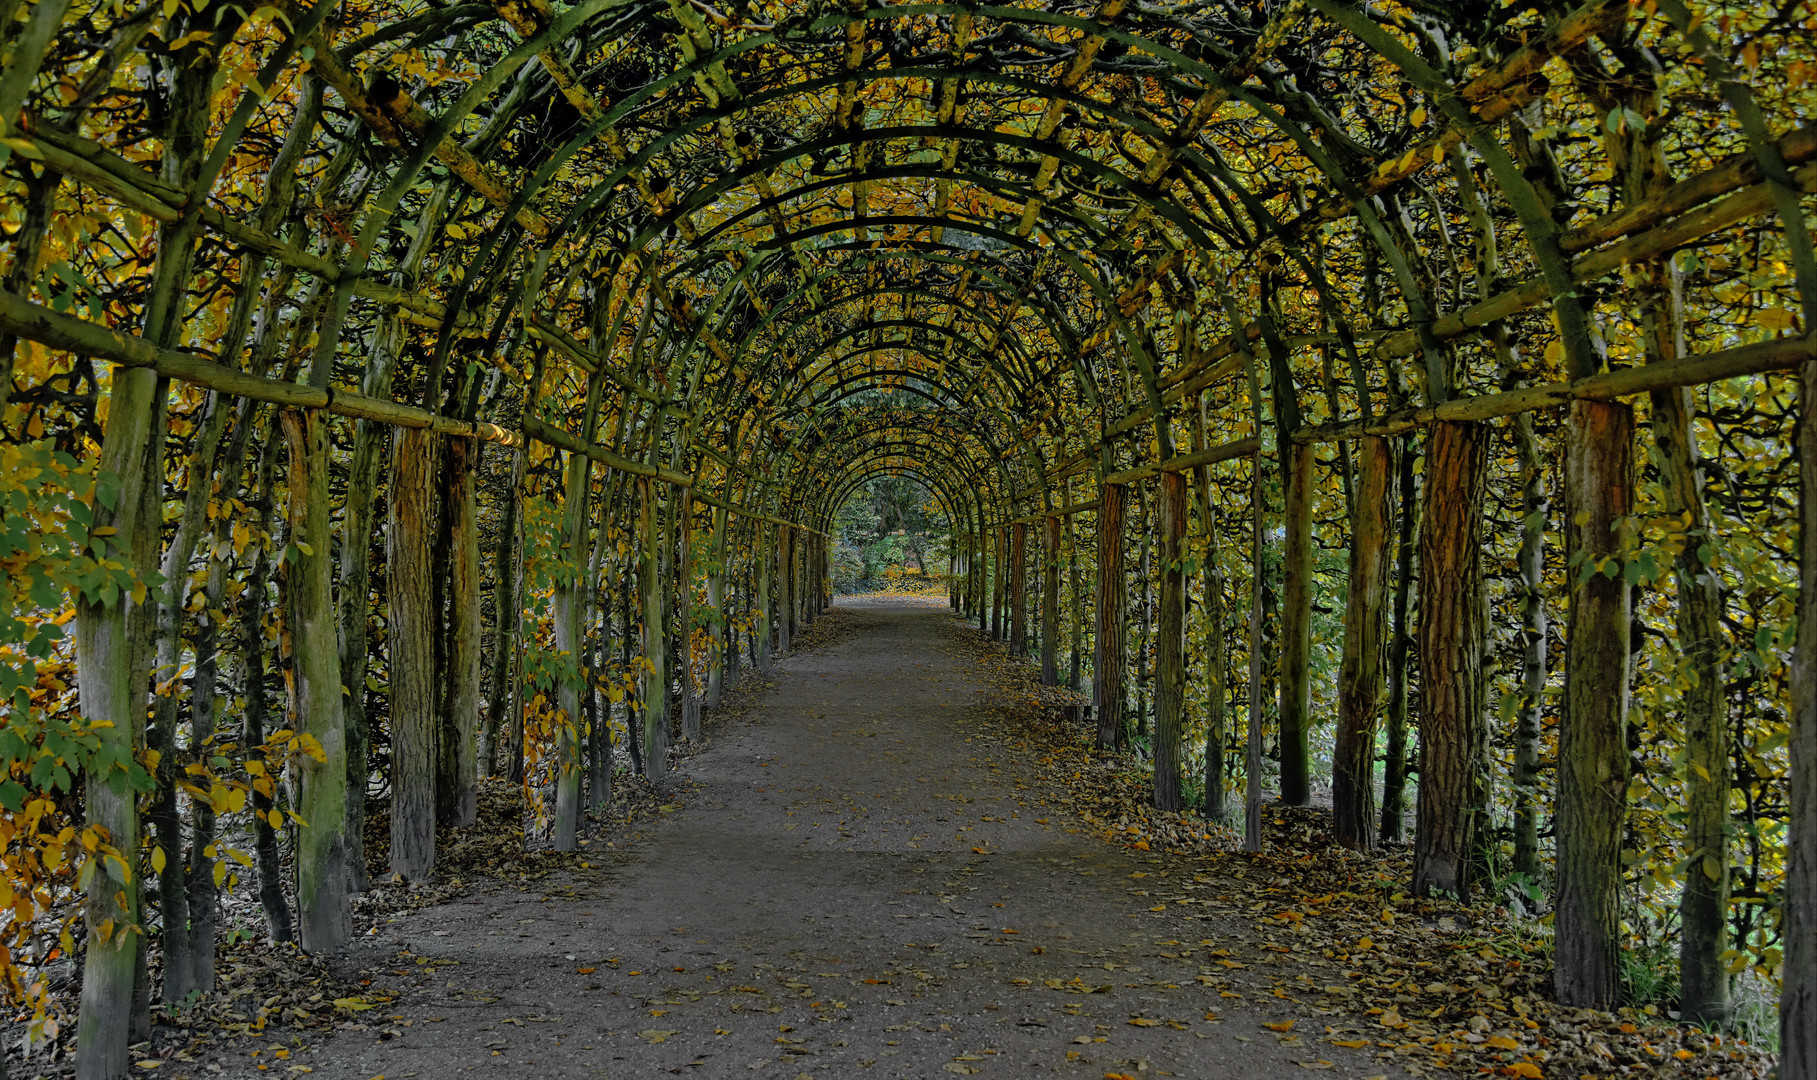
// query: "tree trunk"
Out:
[1798,992]
[1018,589]
[1704,906]
[252,657]
[716,619]
[1050,602]
[411,636]
[1252,755]
[762,628]
[1296,630]
[113,696]
[1592,798]
[501,696]
[322,875]
[1532,563]
[1394,758]
[204,707]
[1112,627]
[1076,659]
[656,676]
[999,581]
[1144,613]
[459,806]
[1453,727]
[785,587]
[684,576]
[1170,639]
[1353,811]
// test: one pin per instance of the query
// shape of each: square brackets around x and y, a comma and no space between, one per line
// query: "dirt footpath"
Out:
[862,883]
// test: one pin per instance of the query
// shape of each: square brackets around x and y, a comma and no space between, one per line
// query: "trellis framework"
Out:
[678,267]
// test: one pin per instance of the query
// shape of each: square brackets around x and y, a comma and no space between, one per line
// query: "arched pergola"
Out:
[341,314]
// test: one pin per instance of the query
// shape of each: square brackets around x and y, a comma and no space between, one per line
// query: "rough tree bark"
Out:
[1018,589]
[1394,755]
[1531,560]
[1353,808]
[1296,629]
[414,626]
[1170,639]
[459,805]
[1452,724]
[1112,629]
[323,879]
[655,638]
[1592,799]
[1050,602]
[1798,994]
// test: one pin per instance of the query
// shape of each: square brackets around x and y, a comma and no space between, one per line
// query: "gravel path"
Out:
[863,884]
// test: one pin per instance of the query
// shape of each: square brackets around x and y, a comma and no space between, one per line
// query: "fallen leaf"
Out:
[655,1036]
[585,971]
[1284,1025]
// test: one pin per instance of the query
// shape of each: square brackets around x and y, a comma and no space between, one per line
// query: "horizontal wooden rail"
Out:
[1780,354]
[56,330]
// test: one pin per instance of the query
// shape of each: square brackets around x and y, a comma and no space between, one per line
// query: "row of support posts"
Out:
[1449,638]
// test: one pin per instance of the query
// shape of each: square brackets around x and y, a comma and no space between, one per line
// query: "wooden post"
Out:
[1296,630]
[1170,639]
[1452,723]
[323,879]
[656,639]
[1112,629]
[1018,590]
[411,647]
[1360,672]
[1592,801]
[569,636]
[1050,602]
[460,807]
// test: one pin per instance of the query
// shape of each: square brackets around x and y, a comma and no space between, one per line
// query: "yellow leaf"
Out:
[158,860]
[1284,1025]
[1418,119]
[1365,944]
[353,1004]
[1350,1044]
[1501,1042]
[1526,1069]
[1775,318]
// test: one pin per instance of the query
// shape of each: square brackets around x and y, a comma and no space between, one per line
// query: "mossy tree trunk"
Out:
[1353,808]
[412,631]
[323,878]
